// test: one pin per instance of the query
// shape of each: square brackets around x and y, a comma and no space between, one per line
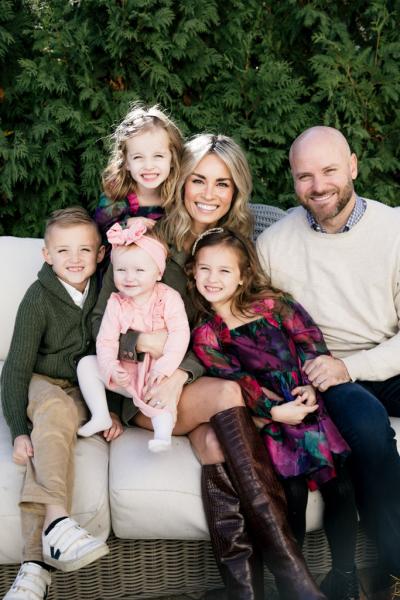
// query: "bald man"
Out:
[339,255]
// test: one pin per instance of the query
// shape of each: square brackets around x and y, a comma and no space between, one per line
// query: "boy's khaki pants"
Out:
[56,410]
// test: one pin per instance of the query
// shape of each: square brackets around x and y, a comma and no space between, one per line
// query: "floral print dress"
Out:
[270,352]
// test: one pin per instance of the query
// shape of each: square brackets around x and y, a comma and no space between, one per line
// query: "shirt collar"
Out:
[78,297]
[356,214]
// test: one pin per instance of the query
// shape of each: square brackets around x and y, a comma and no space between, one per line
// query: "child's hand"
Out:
[271,395]
[115,430]
[23,449]
[148,222]
[306,393]
[292,413]
[120,376]
[153,380]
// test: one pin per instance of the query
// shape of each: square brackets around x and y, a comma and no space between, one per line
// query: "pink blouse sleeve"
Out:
[178,334]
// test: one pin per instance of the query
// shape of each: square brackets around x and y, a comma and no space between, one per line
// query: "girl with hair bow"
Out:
[144,304]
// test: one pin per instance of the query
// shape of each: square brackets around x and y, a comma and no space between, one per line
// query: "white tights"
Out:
[94,393]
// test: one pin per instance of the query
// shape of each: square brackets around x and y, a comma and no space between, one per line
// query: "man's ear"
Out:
[353,166]
[100,254]
[46,256]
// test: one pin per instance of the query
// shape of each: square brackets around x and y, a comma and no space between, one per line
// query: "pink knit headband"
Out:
[135,234]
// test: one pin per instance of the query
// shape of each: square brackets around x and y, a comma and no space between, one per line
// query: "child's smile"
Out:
[217,275]
[73,252]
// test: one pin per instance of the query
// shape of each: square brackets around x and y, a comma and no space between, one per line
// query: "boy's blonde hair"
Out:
[68,217]
[177,224]
[117,180]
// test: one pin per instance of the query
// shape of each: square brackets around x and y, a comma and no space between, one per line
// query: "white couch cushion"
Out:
[155,496]
[20,263]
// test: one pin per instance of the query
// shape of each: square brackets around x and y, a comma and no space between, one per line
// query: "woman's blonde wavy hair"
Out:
[177,224]
[117,180]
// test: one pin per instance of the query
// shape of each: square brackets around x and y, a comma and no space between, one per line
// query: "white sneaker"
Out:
[69,547]
[31,583]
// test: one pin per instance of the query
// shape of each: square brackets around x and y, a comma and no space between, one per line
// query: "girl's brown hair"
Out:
[255,284]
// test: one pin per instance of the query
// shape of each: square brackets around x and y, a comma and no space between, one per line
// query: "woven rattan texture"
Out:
[264,215]
[155,568]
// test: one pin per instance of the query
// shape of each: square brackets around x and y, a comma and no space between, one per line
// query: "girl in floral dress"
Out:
[261,338]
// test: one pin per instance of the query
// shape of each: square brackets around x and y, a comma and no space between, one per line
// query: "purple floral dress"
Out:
[270,352]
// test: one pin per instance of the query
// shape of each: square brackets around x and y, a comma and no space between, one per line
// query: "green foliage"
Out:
[258,71]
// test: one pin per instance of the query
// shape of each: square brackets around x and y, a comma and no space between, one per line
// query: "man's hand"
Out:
[292,413]
[23,449]
[152,342]
[326,371]
[115,430]
[119,376]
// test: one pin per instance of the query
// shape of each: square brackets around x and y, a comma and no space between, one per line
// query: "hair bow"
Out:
[124,237]
[135,234]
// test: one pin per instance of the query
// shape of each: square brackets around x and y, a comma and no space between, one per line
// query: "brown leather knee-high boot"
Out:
[240,564]
[263,503]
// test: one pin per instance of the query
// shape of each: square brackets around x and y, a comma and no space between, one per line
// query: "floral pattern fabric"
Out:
[270,352]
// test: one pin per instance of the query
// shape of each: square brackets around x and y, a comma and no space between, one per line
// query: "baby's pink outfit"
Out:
[165,310]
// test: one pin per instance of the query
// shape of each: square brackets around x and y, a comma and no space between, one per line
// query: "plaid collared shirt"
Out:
[356,214]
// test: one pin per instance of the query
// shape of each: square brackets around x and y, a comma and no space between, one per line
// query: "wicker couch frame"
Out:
[137,569]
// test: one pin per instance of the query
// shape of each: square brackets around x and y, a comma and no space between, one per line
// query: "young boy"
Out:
[42,403]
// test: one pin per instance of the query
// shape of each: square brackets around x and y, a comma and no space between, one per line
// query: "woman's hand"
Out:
[120,376]
[152,342]
[115,430]
[306,393]
[23,449]
[168,393]
[292,413]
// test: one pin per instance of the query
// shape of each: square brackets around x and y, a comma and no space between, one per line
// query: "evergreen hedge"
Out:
[260,71]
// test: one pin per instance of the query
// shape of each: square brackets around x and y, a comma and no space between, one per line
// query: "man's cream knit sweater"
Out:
[348,282]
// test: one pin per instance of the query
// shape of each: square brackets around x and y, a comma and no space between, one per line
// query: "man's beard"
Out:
[343,200]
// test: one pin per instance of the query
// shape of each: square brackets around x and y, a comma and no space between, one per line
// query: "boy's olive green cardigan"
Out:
[50,335]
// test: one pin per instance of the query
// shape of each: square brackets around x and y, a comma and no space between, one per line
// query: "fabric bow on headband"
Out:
[135,234]
[124,237]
